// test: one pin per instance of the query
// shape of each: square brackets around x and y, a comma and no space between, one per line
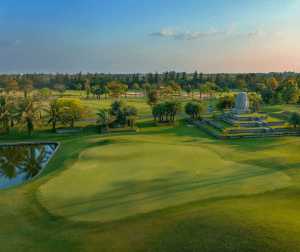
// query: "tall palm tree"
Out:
[105,118]
[5,114]
[159,111]
[132,119]
[175,108]
[28,113]
[37,97]
[57,113]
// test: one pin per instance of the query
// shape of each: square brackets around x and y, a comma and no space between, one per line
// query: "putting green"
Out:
[123,179]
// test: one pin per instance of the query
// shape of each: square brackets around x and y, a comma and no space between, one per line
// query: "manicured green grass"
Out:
[138,191]
[249,115]
[271,119]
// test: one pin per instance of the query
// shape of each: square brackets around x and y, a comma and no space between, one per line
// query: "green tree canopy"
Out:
[290,92]
[75,109]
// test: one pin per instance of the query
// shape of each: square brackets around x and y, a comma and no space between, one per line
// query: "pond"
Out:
[19,163]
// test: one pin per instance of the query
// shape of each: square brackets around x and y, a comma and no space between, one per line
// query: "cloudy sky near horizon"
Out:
[147,36]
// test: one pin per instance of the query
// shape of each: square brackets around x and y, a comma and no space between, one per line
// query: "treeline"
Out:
[245,82]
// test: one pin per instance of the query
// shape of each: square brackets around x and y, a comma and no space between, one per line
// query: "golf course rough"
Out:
[122,179]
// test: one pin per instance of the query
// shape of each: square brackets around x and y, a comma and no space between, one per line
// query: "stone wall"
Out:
[205,129]
[237,131]
[262,135]
[228,121]
[283,129]
[246,118]
[276,123]
[212,123]
[246,136]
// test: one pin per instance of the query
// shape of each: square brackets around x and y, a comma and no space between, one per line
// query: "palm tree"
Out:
[57,113]
[116,108]
[159,111]
[189,109]
[5,114]
[132,119]
[38,99]
[28,113]
[175,108]
[199,108]
[129,111]
[195,108]
[105,118]
[294,120]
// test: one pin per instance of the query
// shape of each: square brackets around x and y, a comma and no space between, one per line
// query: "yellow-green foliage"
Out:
[225,131]
[75,106]
[236,126]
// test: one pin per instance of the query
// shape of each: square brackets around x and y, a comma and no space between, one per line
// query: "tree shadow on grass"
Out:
[139,190]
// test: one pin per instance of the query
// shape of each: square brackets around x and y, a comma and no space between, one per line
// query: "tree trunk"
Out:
[53,126]
[30,127]
[7,127]
[106,126]
[135,94]
[12,123]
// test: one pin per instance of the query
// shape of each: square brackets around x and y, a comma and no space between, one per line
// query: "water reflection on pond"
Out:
[20,163]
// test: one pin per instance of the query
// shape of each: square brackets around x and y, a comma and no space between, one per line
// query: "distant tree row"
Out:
[239,81]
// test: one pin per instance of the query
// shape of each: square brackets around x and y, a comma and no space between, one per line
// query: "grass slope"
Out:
[229,212]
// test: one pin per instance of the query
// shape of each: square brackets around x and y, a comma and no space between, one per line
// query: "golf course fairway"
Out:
[123,178]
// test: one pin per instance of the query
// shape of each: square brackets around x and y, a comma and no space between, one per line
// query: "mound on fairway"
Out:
[118,180]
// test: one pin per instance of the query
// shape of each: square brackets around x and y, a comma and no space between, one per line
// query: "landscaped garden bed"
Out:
[175,123]
[68,130]
[119,130]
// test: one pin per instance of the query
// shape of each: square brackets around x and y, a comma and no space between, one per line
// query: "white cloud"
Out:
[261,25]
[253,34]
[256,33]
[210,33]
[233,24]
[163,33]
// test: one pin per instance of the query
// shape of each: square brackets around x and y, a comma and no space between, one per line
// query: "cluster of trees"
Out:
[118,112]
[195,108]
[28,111]
[167,108]
[273,91]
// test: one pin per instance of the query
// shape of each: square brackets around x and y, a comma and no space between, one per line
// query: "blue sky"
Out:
[148,36]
